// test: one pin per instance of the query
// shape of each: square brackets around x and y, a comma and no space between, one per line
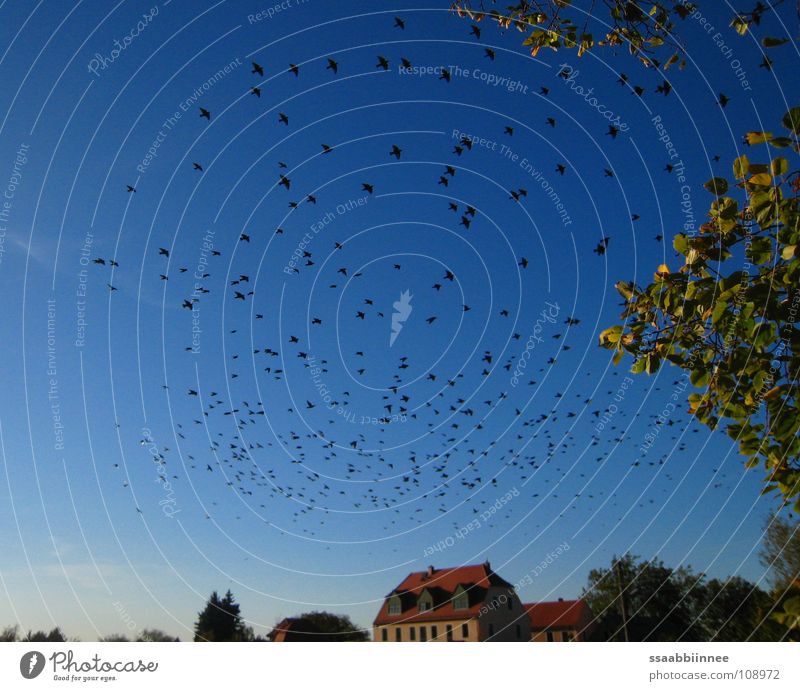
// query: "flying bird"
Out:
[602,246]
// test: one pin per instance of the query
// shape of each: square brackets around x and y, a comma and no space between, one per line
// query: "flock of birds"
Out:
[465,435]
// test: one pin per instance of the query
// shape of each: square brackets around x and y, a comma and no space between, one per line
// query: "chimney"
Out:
[561,599]
[430,571]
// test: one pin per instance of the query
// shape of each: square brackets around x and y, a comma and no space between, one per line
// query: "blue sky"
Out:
[310,502]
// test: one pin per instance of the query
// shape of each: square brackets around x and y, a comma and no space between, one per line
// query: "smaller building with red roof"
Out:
[561,620]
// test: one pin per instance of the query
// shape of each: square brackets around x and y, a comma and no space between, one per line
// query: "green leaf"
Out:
[791,121]
[781,142]
[699,377]
[718,186]
[762,179]
[720,309]
[652,363]
[673,59]
[611,336]
[725,208]
[740,25]
[625,289]
[780,166]
[740,167]
[758,137]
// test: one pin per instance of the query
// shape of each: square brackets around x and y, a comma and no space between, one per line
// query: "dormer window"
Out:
[425,602]
[394,606]
[460,599]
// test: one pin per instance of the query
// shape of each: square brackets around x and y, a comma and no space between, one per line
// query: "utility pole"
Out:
[622,608]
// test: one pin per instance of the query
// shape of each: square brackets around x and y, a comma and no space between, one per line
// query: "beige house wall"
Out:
[441,631]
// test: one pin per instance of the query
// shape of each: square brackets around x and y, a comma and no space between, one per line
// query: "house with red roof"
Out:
[561,620]
[463,603]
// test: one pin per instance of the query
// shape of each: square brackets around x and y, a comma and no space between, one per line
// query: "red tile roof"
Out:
[561,614]
[441,584]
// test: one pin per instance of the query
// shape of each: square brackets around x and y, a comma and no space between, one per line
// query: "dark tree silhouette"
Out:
[221,621]
[156,636]
[665,604]
[337,627]
[54,636]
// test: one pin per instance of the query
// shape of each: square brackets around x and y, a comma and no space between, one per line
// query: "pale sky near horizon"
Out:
[287,438]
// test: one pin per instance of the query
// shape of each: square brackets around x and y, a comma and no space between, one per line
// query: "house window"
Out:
[384,634]
[461,602]
[394,607]
[424,605]
[434,632]
[464,630]
[412,632]
[449,632]
[423,633]
[549,636]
